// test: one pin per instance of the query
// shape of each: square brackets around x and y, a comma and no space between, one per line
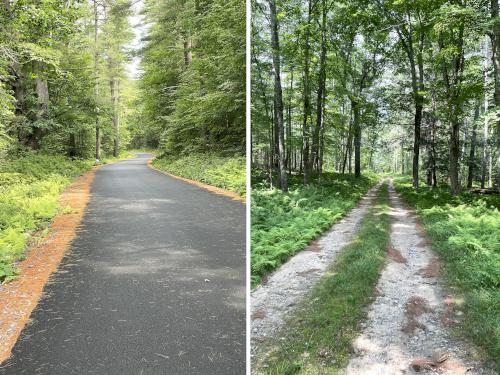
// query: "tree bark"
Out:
[348,148]
[42,100]
[96,84]
[289,125]
[307,104]
[417,80]
[472,152]
[357,138]
[188,55]
[278,95]
[320,92]
[115,89]
[495,56]
[455,156]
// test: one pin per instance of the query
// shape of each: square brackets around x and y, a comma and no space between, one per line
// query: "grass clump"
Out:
[285,223]
[30,186]
[317,338]
[465,233]
[226,172]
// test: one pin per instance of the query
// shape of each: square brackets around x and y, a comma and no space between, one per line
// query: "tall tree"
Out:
[278,96]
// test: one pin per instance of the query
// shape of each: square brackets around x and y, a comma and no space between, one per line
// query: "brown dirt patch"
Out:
[258,314]
[314,247]
[421,230]
[415,307]
[306,272]
[424,243]
[394,254]
[264,280]
[431,270]
[448,316]
[210,188]
[443,363]
[422,364]
[19,297]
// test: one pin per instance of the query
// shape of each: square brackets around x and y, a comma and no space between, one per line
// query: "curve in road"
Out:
[154,283]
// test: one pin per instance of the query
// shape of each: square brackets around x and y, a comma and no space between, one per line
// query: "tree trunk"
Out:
[417,80]
[188,55]
[321,91]
[278,96]
[289,126]
[472,152]
[96,87]
[357,138]
[347,148]
[484,159]
[454,156]
[307,105]
[416,140]
[495,56]
[322,140]
[115,90]
[42,100]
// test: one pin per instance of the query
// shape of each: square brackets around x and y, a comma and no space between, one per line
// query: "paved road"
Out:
[153,284]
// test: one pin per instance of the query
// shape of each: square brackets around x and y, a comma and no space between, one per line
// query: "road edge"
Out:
[210,188]
[20,297]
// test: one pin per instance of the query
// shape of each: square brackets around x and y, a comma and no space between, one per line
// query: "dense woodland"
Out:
[62,74]
[194,77]
[409,86]
[64,89]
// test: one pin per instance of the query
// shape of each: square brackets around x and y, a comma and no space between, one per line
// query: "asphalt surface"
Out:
[154,283]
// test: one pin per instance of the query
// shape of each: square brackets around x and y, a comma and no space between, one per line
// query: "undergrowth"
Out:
[465,233]
[285,223]
[30,185]
[226,172]
[317,337]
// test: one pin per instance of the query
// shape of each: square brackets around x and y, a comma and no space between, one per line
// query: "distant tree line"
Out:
[411,86]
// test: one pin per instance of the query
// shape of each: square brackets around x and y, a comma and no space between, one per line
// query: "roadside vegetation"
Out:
[226,172]
[192,107]
[285,223]
[317,338]
[465,233]
[30,186]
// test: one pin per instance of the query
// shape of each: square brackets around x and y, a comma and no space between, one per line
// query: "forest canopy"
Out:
[62,76]
[194,76]
[410,86]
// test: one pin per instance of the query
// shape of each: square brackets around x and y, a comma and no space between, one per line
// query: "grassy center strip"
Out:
[317,338]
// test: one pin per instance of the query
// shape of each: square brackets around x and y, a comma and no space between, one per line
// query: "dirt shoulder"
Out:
[19,297]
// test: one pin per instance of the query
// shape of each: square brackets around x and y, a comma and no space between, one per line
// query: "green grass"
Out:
[465,233]
[226,172]
[30,186]
[285,223]
[317,338]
